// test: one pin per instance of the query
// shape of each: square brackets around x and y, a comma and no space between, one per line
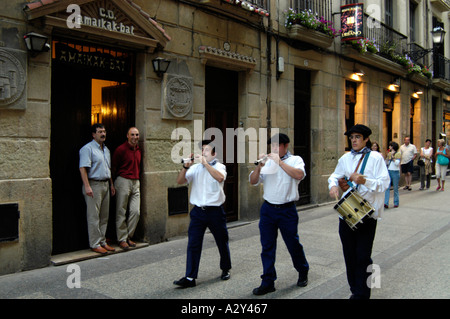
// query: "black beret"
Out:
[359,128]
[282,139]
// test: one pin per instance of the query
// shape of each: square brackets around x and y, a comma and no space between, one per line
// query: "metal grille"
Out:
[178,200]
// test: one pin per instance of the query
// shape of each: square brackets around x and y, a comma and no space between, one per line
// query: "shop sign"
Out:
[97,60]
[106,19]
[352,21]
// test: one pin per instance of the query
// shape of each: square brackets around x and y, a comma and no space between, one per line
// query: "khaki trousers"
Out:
[127,196]
[97,212]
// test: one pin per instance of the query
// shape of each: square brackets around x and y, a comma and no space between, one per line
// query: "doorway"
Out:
[221,111]
[84,94]
[302,130]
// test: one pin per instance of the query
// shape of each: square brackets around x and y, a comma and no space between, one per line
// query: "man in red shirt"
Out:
[126,167]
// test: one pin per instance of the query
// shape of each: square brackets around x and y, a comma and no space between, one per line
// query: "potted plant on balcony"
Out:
[365,45]
[310,20]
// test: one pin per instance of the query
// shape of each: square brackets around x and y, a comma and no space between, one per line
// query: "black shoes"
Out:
[262,290]
[302,280]
[225,275]
[185,283]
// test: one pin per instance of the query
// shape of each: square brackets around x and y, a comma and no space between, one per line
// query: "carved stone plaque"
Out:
[12,81]
[177,97]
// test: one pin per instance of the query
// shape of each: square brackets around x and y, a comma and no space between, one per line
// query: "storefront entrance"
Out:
[90,84]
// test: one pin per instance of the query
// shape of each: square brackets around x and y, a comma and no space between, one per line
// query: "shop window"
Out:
[178,200]
[9,222]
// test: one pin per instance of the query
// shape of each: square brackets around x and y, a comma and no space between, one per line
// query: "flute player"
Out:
[280,174]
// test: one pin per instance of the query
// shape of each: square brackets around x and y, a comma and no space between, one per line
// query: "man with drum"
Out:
[280,172]
[371,185]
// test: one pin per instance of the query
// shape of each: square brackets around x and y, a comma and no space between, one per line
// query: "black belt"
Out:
[207,207]
[99,180]
[280,205]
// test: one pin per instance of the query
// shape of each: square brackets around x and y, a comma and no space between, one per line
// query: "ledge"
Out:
[376,61]
[299,32]
[225,59]
[420,79]
[441,84]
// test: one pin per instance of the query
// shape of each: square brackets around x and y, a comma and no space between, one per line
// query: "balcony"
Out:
[441,72]
[321,7]
[390,44]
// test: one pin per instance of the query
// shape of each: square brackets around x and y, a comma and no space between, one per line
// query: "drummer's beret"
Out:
[280,137]
[359,128]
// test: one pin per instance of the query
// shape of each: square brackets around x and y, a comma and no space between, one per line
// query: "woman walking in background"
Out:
[393,158]
[426,155]
[442,159]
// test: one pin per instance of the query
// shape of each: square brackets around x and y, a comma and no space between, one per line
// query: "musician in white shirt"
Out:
[371,185]
[280,174]
[207,179]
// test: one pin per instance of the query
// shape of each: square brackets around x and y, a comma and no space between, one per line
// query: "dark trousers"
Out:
[357,247]
[285,219]
[214,218]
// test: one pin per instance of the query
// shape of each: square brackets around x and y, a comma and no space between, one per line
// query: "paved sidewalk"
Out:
[411,249]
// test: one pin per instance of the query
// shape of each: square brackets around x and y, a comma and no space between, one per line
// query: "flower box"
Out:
[299,32]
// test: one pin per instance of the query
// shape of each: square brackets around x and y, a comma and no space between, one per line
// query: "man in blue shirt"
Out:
[95,170]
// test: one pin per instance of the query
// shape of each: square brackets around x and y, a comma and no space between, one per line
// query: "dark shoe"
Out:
[131,243]
[262,290]
[185,283]
[124,245]
[395,206]
[386,206]
[225,275]
[302,280]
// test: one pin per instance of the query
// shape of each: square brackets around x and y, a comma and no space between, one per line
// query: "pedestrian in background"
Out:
[442,160]
[95,170]
[409,153]
[425,164]
[375,147]
[393,158]
[126,165]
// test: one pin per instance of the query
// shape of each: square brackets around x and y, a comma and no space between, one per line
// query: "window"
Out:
[389,15]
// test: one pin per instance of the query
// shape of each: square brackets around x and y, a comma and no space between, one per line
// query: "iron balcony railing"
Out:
[321,7]
[441,67]
[387,39]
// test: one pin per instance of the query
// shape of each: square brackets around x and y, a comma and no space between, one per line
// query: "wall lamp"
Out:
[416,93]
[394,86]
[160,66]
[358,72]
[36,43]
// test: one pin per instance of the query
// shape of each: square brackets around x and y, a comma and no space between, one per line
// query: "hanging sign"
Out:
[352,21]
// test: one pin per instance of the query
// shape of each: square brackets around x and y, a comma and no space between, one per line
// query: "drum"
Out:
[353,208]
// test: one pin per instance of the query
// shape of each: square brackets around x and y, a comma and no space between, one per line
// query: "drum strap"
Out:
[363,167]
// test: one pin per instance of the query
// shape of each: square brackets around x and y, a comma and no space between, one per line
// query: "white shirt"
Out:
[96,160]
[377,178]
[279,187]
[206,191]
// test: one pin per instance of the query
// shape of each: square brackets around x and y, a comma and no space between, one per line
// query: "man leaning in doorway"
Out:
[409,153]
[95,169]
[280,174]
[207,178]
[126,164]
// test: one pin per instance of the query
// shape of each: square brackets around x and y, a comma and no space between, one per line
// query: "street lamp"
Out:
[438,35]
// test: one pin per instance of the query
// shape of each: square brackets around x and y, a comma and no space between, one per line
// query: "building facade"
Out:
[239,70]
